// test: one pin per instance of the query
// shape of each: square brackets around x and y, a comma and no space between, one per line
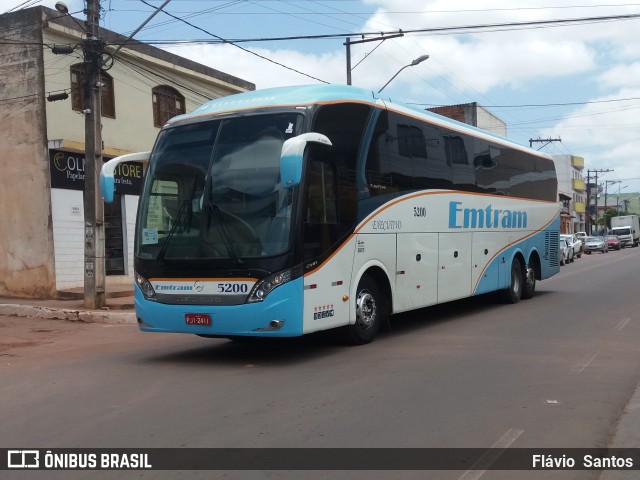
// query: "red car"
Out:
[614,242]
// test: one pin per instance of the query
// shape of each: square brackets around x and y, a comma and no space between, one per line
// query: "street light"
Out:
[412,64]
[63,9]
[618,199]
[606,185]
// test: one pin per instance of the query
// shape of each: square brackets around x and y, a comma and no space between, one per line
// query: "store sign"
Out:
[68,170]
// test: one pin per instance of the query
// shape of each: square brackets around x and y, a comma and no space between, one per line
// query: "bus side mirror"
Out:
[292,155]
[107,180]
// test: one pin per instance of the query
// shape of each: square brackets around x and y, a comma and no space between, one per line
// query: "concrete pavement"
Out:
[69,306]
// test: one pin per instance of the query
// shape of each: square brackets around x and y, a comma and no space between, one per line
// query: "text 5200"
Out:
[233,288]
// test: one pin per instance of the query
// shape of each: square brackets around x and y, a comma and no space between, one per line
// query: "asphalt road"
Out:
[552,372]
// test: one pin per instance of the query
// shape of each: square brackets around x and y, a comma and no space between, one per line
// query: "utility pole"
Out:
[596,196]
[606,188]
[94,269]
[348,44]
[546,141]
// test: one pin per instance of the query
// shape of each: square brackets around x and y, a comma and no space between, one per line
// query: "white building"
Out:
[42,143]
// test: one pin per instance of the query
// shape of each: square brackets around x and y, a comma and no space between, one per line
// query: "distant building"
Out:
[571,186]
[42,143]
[473,114]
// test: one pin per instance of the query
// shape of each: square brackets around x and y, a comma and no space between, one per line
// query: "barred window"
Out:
[167,103]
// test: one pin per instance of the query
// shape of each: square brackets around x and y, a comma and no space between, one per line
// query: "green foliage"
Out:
[608,214]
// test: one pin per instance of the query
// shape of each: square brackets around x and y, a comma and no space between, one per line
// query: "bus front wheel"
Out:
[513,293]
[371,312]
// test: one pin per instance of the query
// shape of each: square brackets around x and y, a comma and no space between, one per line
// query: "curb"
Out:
[626,436]
[87,316]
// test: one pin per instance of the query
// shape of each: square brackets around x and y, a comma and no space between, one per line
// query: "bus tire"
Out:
[371,312]
[513,293]
[529,283]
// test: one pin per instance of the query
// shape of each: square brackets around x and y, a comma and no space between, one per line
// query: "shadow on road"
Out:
[282,351]
[409,322]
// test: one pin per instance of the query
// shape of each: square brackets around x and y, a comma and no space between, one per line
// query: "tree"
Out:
[608,214]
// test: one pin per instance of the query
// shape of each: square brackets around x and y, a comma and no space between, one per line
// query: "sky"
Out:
[577,81]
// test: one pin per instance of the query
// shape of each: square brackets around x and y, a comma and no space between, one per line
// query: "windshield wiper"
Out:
[226,238]
[165,245]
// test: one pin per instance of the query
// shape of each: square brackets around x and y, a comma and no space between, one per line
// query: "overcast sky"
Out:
[579,82]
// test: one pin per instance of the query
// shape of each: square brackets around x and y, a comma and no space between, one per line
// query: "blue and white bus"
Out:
[291,210]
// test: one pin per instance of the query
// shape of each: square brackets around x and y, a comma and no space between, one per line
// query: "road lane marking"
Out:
[578,369]
[623,323]
[480,467]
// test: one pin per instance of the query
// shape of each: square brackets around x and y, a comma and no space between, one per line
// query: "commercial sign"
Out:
[68,170]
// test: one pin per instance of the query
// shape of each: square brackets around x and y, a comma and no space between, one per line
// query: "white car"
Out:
[576,244]
[582,236]
[566,252]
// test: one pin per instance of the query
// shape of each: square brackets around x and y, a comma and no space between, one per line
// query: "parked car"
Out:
[575,243]
[582,236]
[595,244]
[614,242]
[566,252]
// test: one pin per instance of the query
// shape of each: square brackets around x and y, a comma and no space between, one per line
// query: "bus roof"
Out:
[283,96]
[303,95]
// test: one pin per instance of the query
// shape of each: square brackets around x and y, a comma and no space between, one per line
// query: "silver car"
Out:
[595,244]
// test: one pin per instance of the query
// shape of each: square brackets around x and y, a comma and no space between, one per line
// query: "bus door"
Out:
[454,271]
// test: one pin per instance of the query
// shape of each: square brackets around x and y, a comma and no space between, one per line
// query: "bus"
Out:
[286,211]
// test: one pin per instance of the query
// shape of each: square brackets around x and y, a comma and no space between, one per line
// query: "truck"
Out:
[627,228]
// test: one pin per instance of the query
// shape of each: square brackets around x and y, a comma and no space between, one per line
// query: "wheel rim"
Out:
[366,309]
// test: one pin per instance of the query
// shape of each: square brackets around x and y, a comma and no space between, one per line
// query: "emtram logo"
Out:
[23,459]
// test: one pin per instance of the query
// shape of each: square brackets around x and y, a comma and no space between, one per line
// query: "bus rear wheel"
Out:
[371,312]
[513,293]
[529,284]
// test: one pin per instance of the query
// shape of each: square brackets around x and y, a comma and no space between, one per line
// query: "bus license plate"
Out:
[197,319]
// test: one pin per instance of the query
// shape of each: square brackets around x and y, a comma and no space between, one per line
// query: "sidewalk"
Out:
[69,305]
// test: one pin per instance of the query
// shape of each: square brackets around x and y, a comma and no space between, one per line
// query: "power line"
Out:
[25,4]
[220,39]
[454,29]
[540,104]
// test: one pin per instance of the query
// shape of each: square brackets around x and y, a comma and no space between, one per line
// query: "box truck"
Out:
[627,228]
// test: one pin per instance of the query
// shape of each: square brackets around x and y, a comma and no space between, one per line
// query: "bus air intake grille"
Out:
[552,248]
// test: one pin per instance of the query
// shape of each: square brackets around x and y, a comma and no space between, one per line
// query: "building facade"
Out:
[42,140]
[473,114]
[572,186]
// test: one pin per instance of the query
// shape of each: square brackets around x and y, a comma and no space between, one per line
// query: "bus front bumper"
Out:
[278,315]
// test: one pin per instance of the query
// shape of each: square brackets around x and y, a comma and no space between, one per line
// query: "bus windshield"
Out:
[213,191]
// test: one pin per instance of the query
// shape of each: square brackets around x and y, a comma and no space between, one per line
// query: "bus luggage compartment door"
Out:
[454,272]
[416,271]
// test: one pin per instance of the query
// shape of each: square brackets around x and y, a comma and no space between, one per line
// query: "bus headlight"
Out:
[270,283]
[146,287]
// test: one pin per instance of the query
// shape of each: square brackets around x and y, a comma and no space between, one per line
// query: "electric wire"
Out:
[241,48]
